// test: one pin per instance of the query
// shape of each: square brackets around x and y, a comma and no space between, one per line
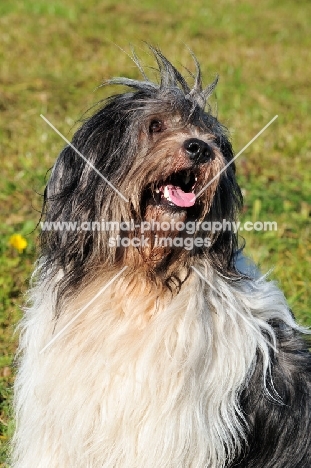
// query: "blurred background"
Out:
[53,56]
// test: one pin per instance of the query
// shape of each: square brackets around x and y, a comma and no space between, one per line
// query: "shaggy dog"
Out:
[144,345]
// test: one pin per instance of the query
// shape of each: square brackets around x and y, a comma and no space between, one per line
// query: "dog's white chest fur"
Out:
[115,394]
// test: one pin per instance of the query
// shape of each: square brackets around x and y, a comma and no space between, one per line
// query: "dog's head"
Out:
[154,155]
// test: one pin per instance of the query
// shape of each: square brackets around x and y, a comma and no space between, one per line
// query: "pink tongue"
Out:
[179,197]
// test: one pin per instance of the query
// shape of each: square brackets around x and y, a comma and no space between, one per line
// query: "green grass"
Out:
[53,56]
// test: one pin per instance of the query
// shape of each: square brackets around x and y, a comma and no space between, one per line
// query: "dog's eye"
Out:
[156,126]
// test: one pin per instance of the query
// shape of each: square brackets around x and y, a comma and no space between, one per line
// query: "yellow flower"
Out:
[18,242]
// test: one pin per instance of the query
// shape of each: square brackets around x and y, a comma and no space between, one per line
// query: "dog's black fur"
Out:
[279,422]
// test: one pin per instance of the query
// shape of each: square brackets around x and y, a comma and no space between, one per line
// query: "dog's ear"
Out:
[60,202]
[227,203]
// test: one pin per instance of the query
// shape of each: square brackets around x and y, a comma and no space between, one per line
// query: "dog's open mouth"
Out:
[177,190]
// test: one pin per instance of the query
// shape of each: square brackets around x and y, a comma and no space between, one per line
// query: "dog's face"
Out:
[158,148]
[181,160]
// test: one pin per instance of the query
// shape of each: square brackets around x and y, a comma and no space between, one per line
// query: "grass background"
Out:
[53,56]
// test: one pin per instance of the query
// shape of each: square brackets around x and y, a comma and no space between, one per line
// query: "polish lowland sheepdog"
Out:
[145,345]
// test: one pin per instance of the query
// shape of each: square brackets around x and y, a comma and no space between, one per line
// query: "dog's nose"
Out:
[198,151]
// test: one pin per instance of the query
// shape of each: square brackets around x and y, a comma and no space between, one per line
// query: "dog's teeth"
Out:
[166,194]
